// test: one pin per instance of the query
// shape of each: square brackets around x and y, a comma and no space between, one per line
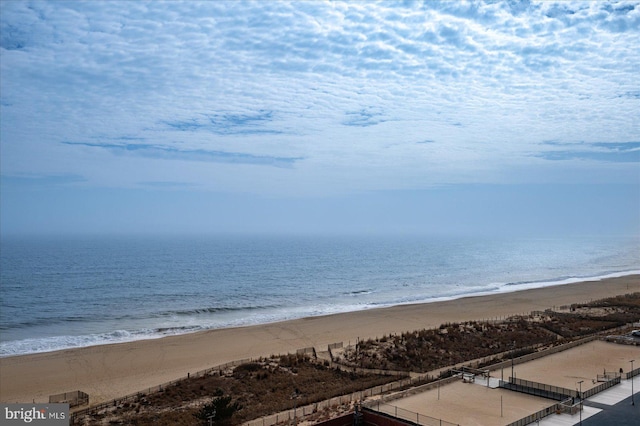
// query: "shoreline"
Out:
[134,335]
[113,370]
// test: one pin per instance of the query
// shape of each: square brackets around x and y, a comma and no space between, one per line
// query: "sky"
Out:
[320,117]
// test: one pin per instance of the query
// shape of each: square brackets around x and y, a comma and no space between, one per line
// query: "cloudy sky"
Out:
[313,116]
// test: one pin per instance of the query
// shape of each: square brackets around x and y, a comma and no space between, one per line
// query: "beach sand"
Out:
[111,371]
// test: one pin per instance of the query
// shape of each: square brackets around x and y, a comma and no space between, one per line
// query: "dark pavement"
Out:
[621,414]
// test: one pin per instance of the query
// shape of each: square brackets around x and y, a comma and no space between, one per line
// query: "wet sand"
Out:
[110,371]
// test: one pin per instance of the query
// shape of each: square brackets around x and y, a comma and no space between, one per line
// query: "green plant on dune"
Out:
[218,412]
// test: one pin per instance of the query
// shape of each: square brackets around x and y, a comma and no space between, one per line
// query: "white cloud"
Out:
[348,88]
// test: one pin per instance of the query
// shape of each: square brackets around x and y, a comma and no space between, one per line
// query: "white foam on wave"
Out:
[56,343]
[239,318]
[505,288]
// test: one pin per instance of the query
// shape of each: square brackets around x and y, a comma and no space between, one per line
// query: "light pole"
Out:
[633,402]
[580,383]
[513,348]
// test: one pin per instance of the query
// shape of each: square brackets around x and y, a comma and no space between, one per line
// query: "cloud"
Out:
[227,123]
[170,153]
[168,185]
[630,94]
[35,181]
[364,118]
[331,83]
[184,125]
[621,152]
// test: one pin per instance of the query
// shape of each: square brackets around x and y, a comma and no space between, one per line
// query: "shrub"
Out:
[219,411]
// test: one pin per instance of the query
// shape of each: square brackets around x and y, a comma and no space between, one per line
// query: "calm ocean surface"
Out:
[68,292]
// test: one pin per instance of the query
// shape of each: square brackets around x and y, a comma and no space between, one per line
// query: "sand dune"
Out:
[109,371]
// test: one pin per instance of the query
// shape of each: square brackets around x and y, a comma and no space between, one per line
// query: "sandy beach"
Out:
[109,371]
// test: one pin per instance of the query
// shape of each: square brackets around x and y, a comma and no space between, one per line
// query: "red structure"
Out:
[366,417]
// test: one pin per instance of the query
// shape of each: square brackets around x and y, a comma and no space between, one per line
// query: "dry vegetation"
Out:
[601,315]
[269,386]
[427,350]
[260,388]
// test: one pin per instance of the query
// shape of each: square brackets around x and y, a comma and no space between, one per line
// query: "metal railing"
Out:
[536,416]
[602,386]
[358,396]
[539,389]
[410,416]
[220,368]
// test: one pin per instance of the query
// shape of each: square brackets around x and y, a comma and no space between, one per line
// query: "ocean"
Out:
[65,292]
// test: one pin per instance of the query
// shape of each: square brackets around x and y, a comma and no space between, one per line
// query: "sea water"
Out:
[63,292]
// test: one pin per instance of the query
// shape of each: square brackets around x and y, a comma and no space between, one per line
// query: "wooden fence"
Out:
[307,351]
[393,391]
[75,416]
[74,398]
[340,400]
[543,353]
[358,396]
